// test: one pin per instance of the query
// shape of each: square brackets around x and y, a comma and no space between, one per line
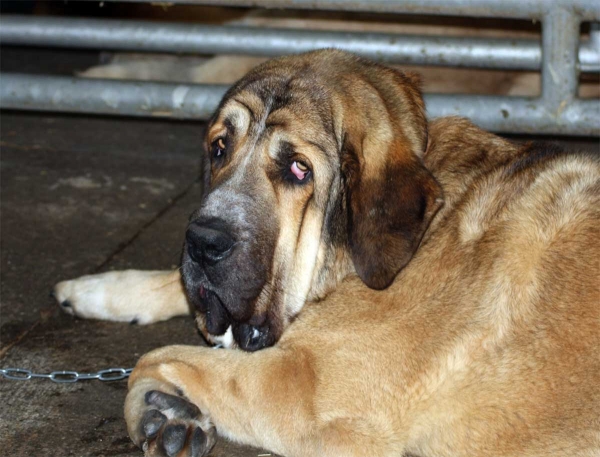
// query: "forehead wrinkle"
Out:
[275,139]
[322,145]
[240,118]
[305,108]
[249,141]
[252,102]
[295,122]
[278,137]
[336,118]
[217,127]
[246,107]
[277,119]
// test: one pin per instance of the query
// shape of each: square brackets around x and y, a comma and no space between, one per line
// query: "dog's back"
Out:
[488,341]
[527,232]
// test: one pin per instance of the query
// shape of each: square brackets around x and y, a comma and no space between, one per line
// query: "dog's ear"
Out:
[391,196]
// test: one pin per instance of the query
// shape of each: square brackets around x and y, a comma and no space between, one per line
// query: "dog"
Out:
[396,285]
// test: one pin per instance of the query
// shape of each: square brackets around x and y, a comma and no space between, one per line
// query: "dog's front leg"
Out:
[264,399]
[141,297]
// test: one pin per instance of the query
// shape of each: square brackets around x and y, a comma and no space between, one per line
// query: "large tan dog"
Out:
[326,182]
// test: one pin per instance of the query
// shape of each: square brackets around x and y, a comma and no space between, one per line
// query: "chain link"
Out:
[110,374]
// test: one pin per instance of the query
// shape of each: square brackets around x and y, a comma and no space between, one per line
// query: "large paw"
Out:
[134,296]
[172,426]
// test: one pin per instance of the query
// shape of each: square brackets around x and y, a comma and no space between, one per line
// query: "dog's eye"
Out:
[299,170]
[218,148]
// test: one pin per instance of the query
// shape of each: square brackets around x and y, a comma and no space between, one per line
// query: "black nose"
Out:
[208,243]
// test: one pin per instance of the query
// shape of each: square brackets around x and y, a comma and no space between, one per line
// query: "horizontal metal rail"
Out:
[145,36]
[179,101]
[587,10]
[99,96]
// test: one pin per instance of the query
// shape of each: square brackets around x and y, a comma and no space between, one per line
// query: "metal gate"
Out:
[560,56]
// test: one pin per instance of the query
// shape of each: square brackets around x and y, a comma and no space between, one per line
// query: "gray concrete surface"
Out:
[80,195]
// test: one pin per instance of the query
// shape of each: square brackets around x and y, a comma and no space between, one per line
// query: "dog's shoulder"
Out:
[466,160]
[460,153]
[522,222]
[490,184]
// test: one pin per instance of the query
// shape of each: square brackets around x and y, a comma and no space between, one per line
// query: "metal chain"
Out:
[110,374]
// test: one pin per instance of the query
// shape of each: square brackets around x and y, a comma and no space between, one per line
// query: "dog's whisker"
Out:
[166,284]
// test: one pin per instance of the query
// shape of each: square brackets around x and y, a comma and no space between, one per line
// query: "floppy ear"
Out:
[391,196]
[388,215]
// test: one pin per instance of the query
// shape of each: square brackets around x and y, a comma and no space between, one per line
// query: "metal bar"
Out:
[128,98]
[519,114]
[560,39]
[589,51]
[63,94]
[522,54]
[587,10]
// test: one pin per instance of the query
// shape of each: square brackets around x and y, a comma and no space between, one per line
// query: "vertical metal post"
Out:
[595,35]
[560,71]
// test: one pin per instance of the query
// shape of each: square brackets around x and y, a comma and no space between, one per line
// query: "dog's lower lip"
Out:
[202,292]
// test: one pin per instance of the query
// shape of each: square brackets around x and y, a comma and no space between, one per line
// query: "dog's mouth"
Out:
[216,317]
[220,328]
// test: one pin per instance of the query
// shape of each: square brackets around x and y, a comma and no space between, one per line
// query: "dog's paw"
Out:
[172,426]
[91,297]
[140,297]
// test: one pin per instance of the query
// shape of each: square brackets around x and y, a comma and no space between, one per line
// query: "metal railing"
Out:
[147,36]
[560,57]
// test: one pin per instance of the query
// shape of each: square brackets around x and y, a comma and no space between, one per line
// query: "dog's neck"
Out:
[454,146]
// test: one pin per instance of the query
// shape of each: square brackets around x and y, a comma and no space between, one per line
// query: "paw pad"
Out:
[172,426]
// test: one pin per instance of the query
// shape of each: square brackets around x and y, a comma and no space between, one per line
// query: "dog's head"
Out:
[315,171]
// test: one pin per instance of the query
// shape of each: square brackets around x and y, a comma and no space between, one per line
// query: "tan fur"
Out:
[120,296]
[487,342]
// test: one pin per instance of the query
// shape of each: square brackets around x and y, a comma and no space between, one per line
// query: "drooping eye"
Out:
[218,148]
[299,170]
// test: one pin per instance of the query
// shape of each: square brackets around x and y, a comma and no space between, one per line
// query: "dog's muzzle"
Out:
[214,258]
